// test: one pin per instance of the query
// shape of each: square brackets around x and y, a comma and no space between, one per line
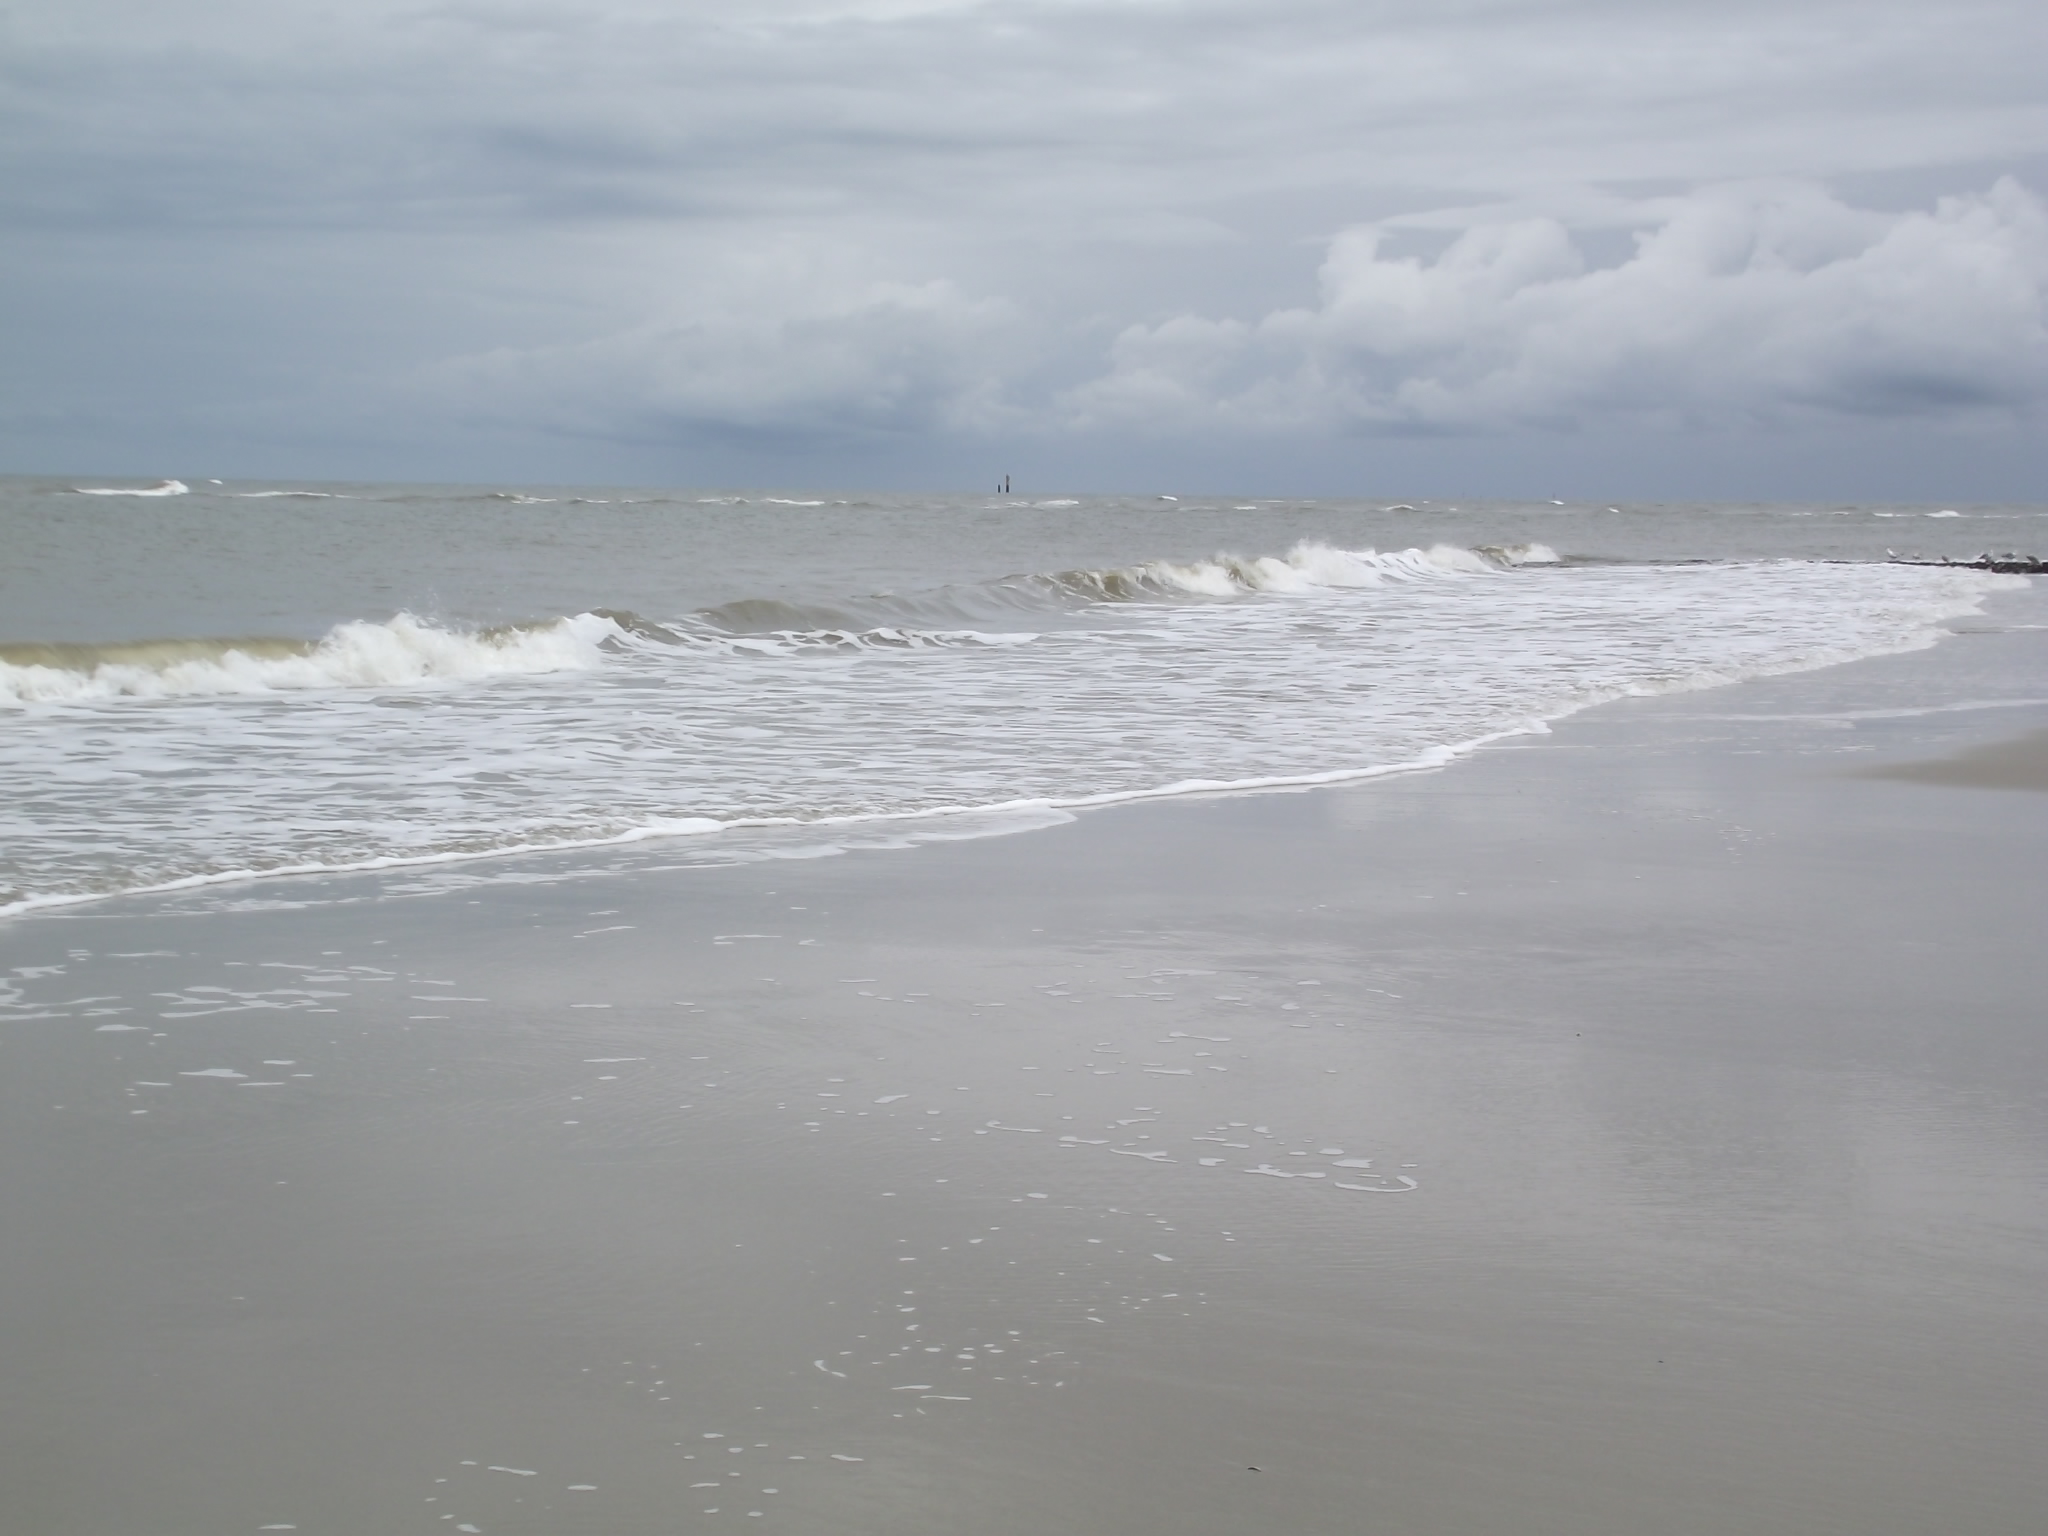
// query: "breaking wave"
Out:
[407,650]
[402,650]
[412,742]
[1308,567]
[161,488]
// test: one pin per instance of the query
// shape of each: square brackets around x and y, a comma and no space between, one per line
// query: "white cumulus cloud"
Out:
[1740,304]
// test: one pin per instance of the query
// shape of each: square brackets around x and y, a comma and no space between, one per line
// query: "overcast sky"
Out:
[1521,247]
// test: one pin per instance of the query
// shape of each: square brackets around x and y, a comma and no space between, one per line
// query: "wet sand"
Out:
[1635,1128]
[2021,763]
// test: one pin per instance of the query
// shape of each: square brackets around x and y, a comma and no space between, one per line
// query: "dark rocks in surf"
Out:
[2005,565]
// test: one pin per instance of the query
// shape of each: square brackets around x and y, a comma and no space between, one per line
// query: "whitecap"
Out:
[403,650]
[161,488]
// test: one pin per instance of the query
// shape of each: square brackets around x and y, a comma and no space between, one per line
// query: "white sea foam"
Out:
[403,650]
[375,748]
[407,651]
[1308,567]
[161,488]
[887,637]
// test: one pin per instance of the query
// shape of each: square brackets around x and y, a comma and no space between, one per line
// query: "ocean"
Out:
[203,683]
[1594,1087]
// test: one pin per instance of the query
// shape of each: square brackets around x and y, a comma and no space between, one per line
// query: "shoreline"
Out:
[1697,1074]
[755,835]
[1012,816]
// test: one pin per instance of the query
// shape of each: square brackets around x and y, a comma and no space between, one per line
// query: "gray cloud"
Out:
[927,225]
[1751,303]
[892,359]
[229,111]
[1747,302]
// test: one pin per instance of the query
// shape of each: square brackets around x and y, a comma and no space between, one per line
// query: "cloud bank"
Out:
[1752,304]
[1740,304]
[705,240]
[895,358]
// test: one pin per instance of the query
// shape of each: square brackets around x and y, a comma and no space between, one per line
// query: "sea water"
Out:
[204,682]
[1631,1136]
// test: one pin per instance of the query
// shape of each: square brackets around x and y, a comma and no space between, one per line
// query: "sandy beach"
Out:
[2021,763]
[1638,1127]
[943,768]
